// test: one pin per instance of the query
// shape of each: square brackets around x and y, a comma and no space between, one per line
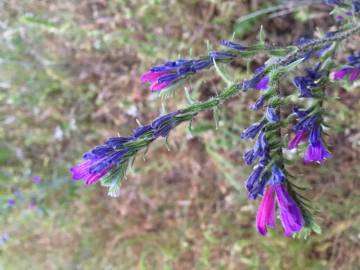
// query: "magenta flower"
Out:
[171,72]
[266,212]
[153,76]
[83,171]
[107,158]
[352,70]
[290,214]
[352,73]
[339,74]
[158,86]
[316,152]
[300,136]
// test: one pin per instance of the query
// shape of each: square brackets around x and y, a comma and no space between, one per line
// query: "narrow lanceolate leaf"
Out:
[114,179]
[216,117]
[189,99]
[170,91]
[35,20]
[262,36]
[220,69]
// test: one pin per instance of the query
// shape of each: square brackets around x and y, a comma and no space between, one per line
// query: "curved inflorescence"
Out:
[270,178]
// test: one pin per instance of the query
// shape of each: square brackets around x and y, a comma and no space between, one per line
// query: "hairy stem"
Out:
[188,113]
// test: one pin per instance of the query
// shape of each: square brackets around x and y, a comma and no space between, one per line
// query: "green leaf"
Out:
[170,91]
[293,65]
[189,99]
[216,113]
[280,71]
[37,21]
[202,127]
[114,178]
[224,74]
[279,52]
[262,35]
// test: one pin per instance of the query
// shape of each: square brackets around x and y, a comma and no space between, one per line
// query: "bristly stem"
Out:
[187,114]
[123,149]
[341,35]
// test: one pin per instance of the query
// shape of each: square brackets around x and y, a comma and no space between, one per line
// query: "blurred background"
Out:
[69,78]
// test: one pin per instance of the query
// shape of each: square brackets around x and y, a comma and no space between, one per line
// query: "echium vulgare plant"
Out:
[270,180]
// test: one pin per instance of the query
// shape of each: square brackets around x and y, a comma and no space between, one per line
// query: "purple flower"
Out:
[259,76]
[36,179]
[354,75]
[257,180]
[306,123]
[82,171]
[107,157]
[351,71]
[3,239]
[277,175]
[252,131]
[18,193]
[142,130]
[249,157]
[117,142]
[340,74]
[254,177]
[303,86]
[307,83]
[201,64]
[164,124]
[10,203]
[316,153]
[353,59]
[257,189]
[304,41]
[169,73]
[334,2]
[290,214]
[300,136]
[258,104]
[153,76]
[355,6]
[271,115]
[263,84]
[339,17]
[158,86]
[259,149]
[309,126]
[301,113]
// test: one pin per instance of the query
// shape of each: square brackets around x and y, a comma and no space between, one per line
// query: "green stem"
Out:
[188,113]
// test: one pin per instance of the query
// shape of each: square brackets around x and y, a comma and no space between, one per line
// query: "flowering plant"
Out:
[270,179]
